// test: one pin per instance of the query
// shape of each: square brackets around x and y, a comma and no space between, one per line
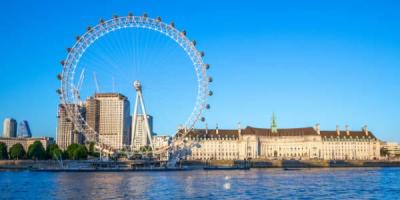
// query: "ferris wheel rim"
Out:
[116,23]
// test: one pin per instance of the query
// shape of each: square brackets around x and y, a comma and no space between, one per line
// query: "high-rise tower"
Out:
[10,127]
[139,135]
[66,133]
[141,123]
[93,114]
[23,130]
[113,119]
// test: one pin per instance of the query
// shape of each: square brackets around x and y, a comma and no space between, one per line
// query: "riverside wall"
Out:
[27,164]
[298,163]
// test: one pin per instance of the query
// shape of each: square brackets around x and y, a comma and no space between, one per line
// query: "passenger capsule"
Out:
[58,91]
[102,21]
[59,76]
[62,62]
[115,16]
[207,66]
[203,119]
[210,79]
[210,93]
[172,24]
[208,106]
[202,54]
[130,14]
[89,28]
[69,50]
[194,42]
[183,32]
[145,15]
[78,38]
[158,19]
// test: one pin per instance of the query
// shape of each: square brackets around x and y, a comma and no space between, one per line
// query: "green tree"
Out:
[77,152]
[70,151]
[36,151]
[91,147]
[3,151]
[81,153]
[147,150]
[92,150]
[17,152]
[53,151]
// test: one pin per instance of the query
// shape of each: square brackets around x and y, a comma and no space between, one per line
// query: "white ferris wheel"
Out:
[71,81]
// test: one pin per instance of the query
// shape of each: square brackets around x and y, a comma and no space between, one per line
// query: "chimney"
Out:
[365,129]
[239,130]
[337,130]
[216,130]
[318,128]
[347,130]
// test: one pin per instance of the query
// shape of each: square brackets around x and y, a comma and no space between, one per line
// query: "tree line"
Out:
[36,151]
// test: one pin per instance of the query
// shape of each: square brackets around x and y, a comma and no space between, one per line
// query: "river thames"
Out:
[346,183]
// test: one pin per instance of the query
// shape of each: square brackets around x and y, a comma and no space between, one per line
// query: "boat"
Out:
[291,169]
[226,168]
[138,169]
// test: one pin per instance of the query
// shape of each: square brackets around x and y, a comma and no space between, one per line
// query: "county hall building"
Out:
[288,144]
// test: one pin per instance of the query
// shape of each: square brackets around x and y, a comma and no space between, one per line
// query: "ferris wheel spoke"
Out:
[140,52]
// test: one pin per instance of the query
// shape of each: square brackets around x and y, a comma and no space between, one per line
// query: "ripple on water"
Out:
[358,183]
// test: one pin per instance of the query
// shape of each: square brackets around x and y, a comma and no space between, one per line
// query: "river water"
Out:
[346,183]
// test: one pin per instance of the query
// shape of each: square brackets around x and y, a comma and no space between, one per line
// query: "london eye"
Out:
[73,73]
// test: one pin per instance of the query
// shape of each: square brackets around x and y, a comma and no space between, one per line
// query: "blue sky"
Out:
[331,62]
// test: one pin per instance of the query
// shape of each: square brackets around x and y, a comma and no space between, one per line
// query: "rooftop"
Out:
[306,131]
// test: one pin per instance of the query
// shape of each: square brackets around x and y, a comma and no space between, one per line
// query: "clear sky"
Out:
[327,62]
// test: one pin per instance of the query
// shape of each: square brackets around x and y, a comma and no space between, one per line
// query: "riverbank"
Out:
[297,163]
[123,165]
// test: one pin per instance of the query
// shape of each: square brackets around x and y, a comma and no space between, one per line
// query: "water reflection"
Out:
[358,183]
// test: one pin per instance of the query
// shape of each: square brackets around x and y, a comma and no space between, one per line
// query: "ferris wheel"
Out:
[70,85]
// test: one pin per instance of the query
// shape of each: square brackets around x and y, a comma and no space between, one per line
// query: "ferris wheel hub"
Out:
[137,85]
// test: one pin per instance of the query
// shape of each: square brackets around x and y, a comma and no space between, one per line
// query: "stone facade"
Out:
[26,142]
[66,133]
[114,119]
[283,144]
[391,149]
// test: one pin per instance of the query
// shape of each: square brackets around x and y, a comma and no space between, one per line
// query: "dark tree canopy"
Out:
[70,150]
[17,152]
[36,151]
[77,152]
[81,153]
[91,147]
[3,151]
[53,151]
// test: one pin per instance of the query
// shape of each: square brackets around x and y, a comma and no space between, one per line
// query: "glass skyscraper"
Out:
[23,130]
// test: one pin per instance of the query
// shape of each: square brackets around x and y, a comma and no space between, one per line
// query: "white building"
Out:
[114,120]
[391,149]
[161,141]
[160,145]
[140,137]
[10,127]
[284,144]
